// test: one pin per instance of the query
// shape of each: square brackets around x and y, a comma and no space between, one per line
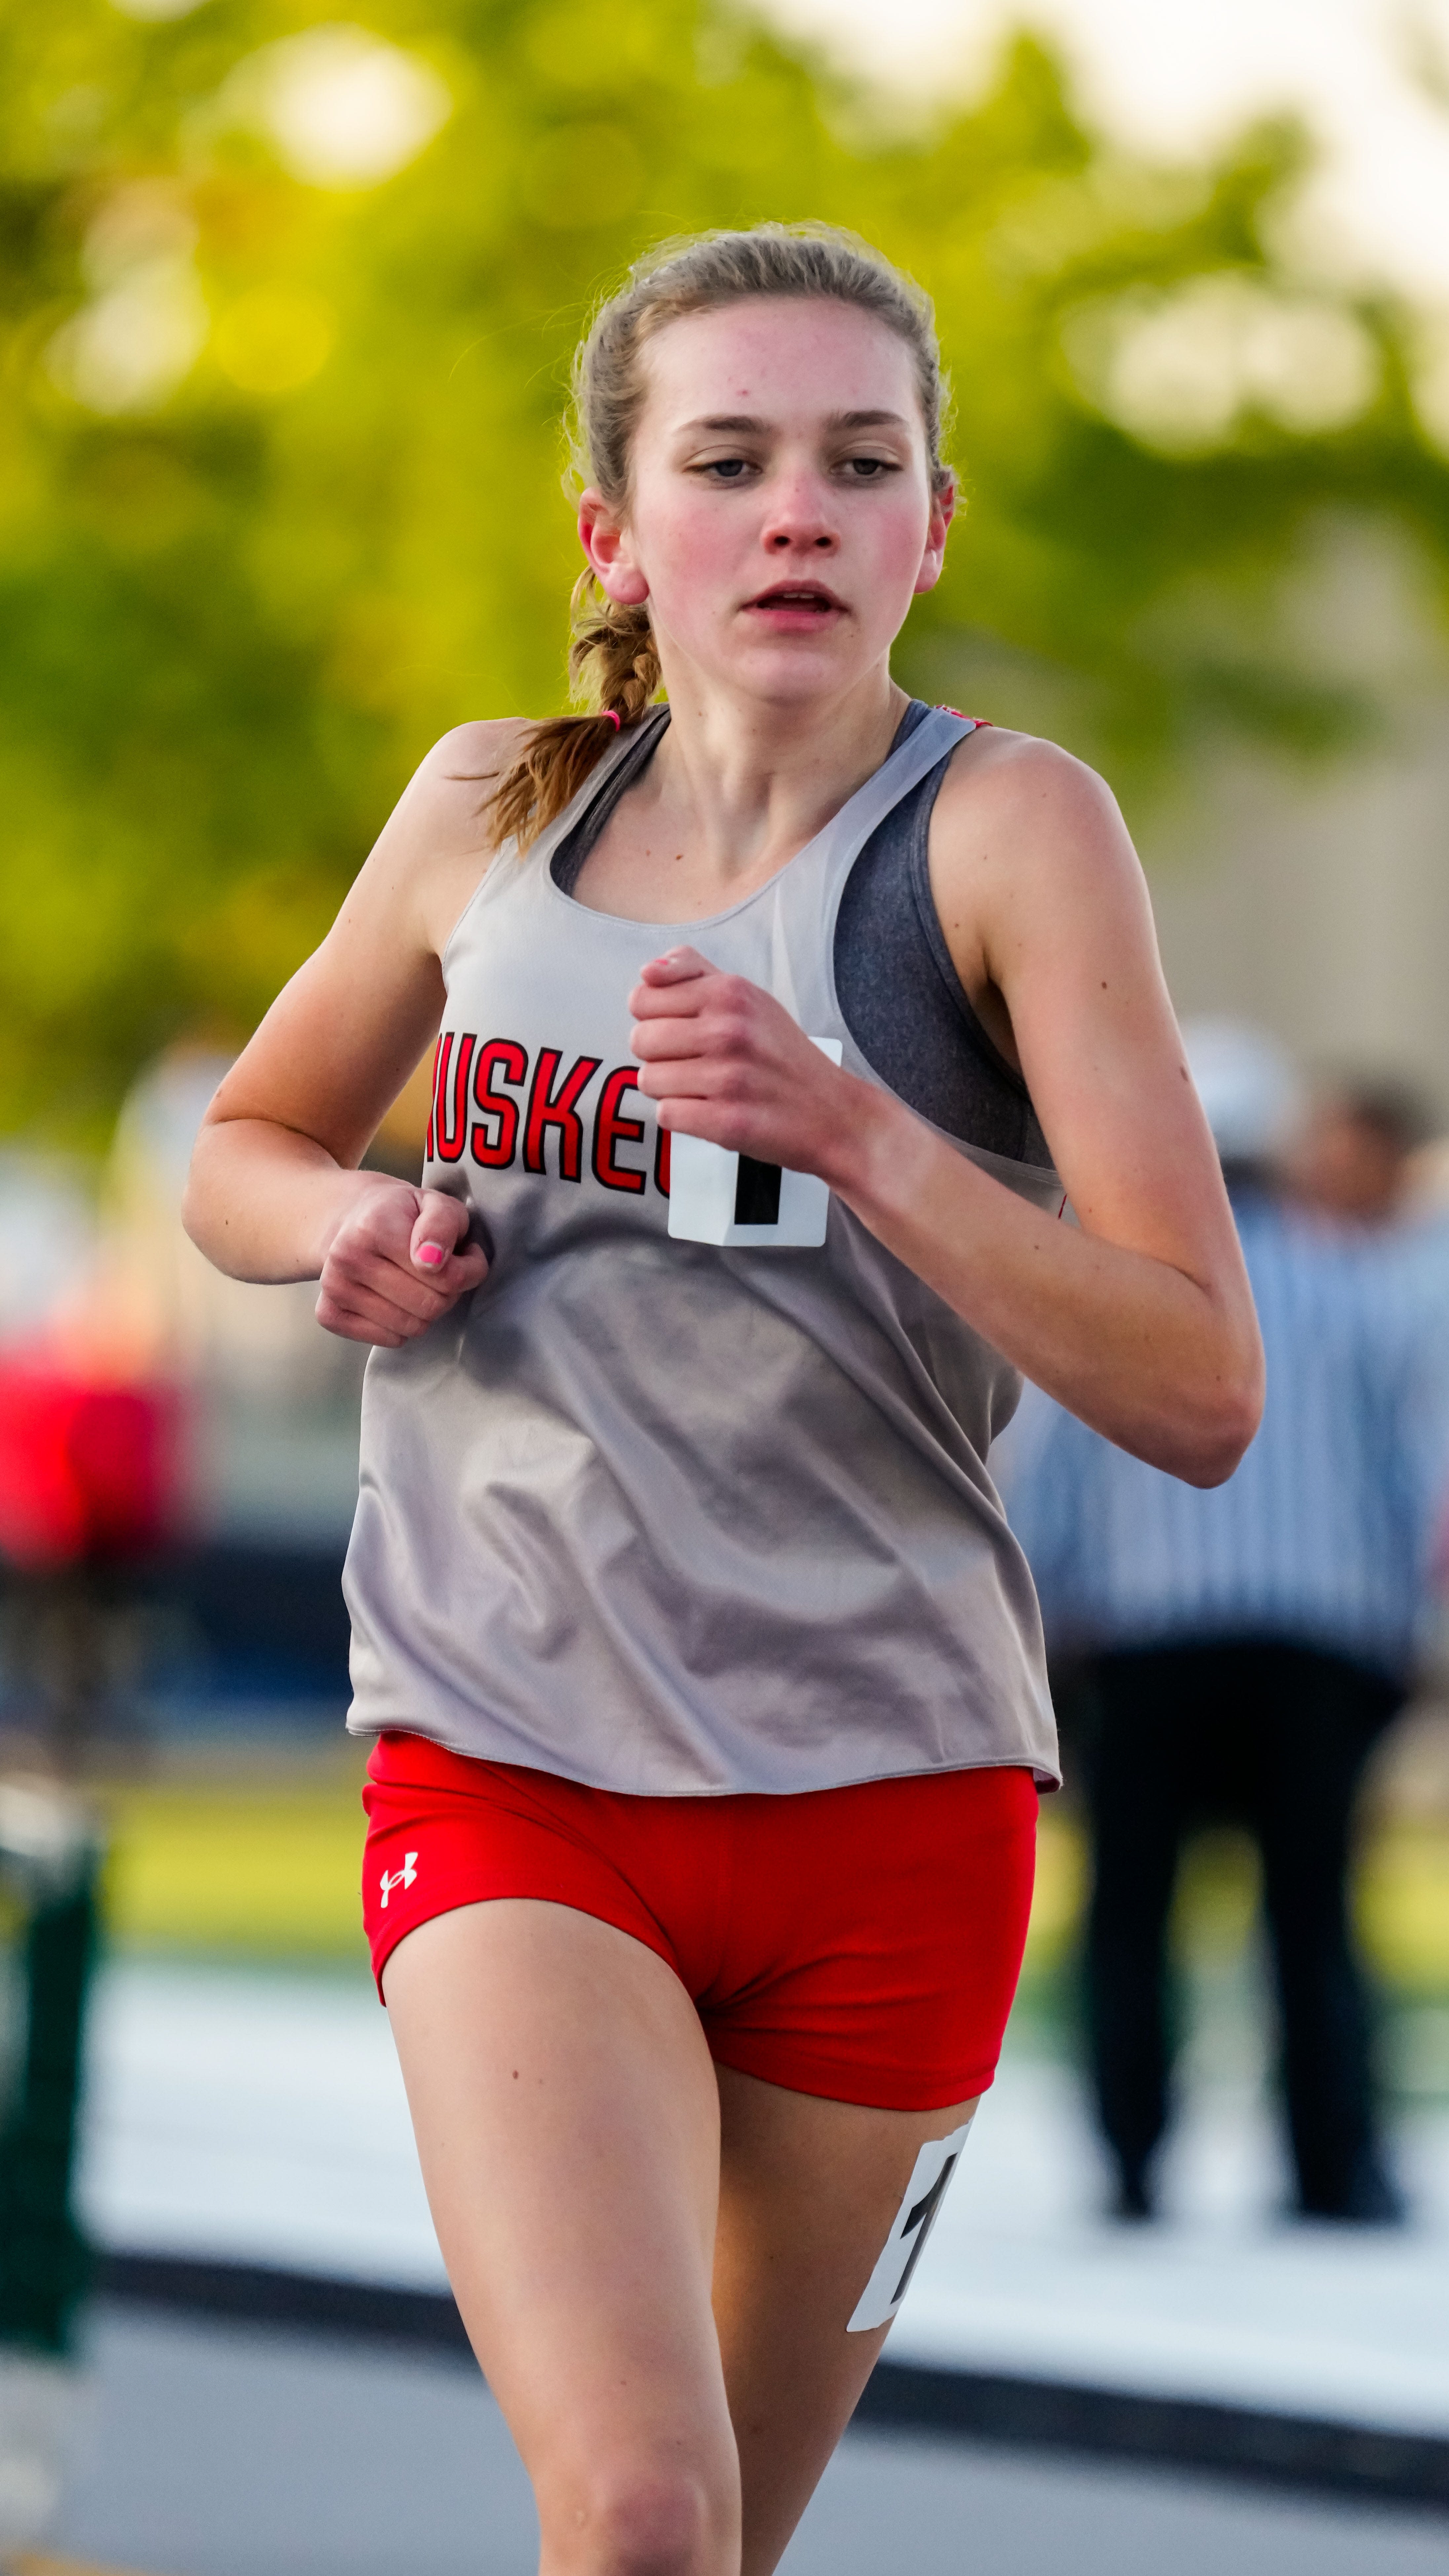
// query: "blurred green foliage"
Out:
[279,456]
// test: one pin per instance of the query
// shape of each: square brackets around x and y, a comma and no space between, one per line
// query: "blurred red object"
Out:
[89,1470]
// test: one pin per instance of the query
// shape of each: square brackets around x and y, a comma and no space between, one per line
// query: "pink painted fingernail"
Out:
[431,1255]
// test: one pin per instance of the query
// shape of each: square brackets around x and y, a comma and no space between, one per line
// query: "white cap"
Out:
[1247,1084]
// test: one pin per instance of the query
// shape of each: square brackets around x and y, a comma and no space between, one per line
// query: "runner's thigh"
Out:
[809,2191]
[568,2129]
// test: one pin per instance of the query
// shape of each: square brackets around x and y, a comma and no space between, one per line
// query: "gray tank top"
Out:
[663,1517]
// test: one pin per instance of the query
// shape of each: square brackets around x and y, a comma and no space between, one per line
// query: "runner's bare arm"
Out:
[275,1192]
[1138,1318]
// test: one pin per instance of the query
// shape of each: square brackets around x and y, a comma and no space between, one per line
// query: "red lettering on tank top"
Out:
[610,1128]
[547,1108]
[450,1138]
[661,1162]
[428,1148]
[495,1135]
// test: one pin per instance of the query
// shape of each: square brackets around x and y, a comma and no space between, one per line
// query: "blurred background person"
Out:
[1245,1649]
[1353,1158]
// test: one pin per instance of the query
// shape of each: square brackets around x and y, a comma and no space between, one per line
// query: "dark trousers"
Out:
[1275,1737]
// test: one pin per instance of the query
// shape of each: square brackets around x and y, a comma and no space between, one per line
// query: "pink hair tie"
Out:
[611,716]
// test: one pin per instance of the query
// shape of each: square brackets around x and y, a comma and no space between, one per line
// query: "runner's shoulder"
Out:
[446,804]
[1008,773]
[439,840]
[1020,796]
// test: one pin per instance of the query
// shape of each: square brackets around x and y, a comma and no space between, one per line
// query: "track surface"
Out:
[248,2451]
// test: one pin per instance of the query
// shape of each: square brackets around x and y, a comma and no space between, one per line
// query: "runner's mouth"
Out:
[805,598]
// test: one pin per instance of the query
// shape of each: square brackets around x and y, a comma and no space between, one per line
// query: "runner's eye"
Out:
[726,469]
[869,469]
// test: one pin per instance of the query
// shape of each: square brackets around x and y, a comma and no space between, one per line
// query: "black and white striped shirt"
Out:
[1324,1533]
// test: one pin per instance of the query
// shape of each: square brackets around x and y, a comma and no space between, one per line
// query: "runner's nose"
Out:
[801,520]
[783,538]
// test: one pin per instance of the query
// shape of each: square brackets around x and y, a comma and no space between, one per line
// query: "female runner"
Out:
[705,1674]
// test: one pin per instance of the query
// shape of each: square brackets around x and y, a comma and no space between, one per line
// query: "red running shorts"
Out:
[862,1943]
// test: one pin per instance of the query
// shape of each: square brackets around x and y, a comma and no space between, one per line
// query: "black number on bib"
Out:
[919,2225]
[757,1193]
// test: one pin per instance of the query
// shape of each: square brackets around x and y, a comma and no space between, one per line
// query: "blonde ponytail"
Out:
[613,663]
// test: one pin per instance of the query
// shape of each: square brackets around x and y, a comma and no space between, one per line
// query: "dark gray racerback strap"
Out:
[639,748]
[904,1003]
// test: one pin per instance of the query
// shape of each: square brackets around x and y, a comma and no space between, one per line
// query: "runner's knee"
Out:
[645,2519]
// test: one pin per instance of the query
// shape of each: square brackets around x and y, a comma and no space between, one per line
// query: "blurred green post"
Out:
[50,1856]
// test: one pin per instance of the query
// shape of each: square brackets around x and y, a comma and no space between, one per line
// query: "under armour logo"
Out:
[403,1877]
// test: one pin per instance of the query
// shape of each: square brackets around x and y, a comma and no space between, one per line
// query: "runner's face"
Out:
[781,515]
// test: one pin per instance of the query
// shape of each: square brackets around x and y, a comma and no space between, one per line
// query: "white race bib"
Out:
[888,2283]
[718,1197]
